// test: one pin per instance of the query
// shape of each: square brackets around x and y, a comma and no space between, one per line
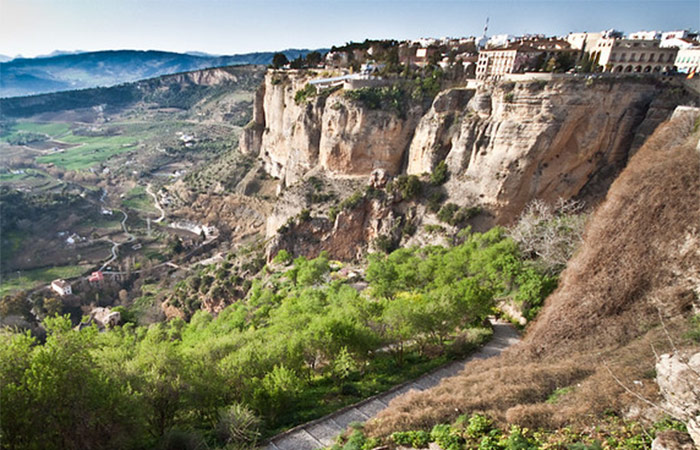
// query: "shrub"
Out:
[447,212]
[182,440]
[444,436]
[409,229]
[509,97]
[304,94]
[434,229]
[533,288]
[551,233]
[464,214]
[390,98]
[694,332]
[304,215]
[478,426]
[440,173]
[282,257]
[408,186]
[238,424]
[415,439]
[384,243]
[435,200]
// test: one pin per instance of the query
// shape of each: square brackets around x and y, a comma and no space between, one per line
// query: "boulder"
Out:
[678,377]
[672,440]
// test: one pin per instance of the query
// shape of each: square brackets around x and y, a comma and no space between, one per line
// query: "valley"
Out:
[95,167]
[218,256]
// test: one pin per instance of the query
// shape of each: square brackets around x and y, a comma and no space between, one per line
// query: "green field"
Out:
[33,278]
[94,150]
[52,129]
[137,198]
[31,177]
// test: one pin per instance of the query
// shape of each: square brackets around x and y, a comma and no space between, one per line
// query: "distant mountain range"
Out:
[62,72]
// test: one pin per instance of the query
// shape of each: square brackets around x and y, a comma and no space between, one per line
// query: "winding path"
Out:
[321,433]
[157,204]
[115,245]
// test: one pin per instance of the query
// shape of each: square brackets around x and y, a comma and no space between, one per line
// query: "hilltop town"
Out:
[496,57]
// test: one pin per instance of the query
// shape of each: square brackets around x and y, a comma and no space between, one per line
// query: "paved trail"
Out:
[321,433]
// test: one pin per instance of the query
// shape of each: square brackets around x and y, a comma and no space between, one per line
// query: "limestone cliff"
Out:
[504,144]
[330,131]
[510,144]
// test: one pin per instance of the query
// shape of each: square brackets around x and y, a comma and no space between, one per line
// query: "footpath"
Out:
[321,433]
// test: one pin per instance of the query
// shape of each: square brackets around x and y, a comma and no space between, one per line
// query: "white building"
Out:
[500,40]
[678,34]
[645,35]
[61,287]
[633,55]
[677,43]
[688,60]
[583,41]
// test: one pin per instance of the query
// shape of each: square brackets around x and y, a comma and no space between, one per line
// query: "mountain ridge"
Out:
[31,76]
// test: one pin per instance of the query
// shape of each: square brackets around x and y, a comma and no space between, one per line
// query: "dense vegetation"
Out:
[480,432]
[302,343]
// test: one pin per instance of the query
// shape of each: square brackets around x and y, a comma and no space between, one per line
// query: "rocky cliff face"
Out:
[332,132]
[504,145]
[508,145]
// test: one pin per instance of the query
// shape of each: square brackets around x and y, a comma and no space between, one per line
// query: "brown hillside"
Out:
[635,278]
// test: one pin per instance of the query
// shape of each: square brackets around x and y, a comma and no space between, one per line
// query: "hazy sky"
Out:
[31,27]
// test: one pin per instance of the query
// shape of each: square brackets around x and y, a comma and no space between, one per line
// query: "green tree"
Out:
[55,396]
[313,59]
[279,60]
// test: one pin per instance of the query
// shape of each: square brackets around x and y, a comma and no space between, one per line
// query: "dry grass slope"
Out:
[635,276]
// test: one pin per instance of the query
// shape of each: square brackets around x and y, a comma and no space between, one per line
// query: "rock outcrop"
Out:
[516,142]
[293,135]
[678,377]
[105,317]
[344,239]
[504,144]
[672,440]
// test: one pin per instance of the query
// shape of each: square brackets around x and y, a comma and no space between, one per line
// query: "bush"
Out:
[434,229]
[435,200]
[415,439]
[509,97]
[550,233]
[304,94]
[407,186]
[464,214]
[384,243]
[447,212]
[533,288]
[440,173]
[282,257]
[182,440]
[478,426]
[444,436]
[304,215]
[391,98]
[238,424]
[694,332]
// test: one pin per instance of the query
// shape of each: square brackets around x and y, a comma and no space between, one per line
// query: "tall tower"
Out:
[481,43]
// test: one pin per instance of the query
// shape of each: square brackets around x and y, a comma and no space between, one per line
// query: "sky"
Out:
[37,27]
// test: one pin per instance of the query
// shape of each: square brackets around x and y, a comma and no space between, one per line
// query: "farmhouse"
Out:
[61,287]
[96,277]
